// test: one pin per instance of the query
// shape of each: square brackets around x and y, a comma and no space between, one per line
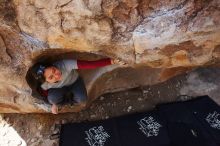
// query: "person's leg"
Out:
[79,92]
[55,95]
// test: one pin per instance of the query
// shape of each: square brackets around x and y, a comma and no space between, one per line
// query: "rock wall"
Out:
[158,39]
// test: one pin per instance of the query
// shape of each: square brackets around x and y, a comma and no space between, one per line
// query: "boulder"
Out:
[157,39]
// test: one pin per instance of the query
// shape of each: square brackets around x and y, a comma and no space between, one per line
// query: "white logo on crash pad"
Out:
[149,126]
[214,120]
[96,136]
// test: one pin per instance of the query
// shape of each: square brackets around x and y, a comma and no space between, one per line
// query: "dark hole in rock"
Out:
[50,56]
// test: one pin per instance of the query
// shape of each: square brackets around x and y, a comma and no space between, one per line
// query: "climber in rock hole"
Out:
[60,82]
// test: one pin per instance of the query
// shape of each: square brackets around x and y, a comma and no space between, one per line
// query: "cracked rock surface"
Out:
[158,39]
[14,128]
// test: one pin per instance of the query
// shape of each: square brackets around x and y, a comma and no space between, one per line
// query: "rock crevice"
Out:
[158,39]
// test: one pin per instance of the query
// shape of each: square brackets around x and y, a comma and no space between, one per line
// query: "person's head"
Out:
[46,73]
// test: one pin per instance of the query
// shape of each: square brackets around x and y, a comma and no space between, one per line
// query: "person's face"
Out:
[52,74]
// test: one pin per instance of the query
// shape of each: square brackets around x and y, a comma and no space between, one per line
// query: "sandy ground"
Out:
[35,129]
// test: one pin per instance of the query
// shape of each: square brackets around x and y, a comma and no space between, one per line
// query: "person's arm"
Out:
[81,64]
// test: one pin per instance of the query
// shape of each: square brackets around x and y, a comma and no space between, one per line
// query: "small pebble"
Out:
[33,139]
[102,98]
[129,109]
[140,99]
[92,116]
[145,91]
[40,127]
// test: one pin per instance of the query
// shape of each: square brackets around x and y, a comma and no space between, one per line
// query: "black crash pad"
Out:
[190,123]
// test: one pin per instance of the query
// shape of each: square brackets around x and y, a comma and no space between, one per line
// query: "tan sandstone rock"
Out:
[158,39]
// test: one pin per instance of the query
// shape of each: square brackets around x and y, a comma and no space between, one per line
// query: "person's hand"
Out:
[54,109]
[118,62]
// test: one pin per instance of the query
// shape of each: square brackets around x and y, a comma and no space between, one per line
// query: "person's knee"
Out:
[54,99]
[55,95]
